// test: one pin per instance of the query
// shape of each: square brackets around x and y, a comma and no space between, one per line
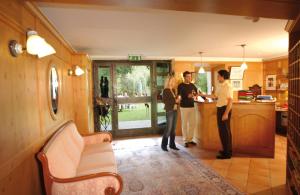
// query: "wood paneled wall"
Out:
[253,75]
[83,93]
[278,67]
[25,120]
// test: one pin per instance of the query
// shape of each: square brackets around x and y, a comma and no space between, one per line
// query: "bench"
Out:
[75,164]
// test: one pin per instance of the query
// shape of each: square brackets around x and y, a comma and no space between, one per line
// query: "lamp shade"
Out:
[201,70]
[78,71]
[46,50]
[36,45]
[244,66]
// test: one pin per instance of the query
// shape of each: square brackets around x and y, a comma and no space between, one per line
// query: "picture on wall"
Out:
[236,73]
[271,82]
[237,84]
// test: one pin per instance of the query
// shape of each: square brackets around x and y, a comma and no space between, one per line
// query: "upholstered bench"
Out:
[75,164]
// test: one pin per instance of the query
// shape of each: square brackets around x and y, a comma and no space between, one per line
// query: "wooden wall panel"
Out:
[18,98]
[253,75]
[83,95]
[278,67]
[25,119]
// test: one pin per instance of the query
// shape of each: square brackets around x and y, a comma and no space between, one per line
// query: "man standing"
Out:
[187,91]
[224,94]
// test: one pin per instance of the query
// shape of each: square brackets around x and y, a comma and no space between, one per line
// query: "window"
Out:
[203,82]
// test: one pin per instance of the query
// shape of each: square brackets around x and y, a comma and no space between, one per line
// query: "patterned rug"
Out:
[147,170]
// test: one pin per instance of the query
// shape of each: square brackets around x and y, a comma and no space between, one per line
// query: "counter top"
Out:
[237,102]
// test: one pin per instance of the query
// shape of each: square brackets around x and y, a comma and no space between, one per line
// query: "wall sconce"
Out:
[76,71]
[35,45]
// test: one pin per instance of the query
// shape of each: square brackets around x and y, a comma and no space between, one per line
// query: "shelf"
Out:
[292,144]
[277,90]
[294,113]
[294,181]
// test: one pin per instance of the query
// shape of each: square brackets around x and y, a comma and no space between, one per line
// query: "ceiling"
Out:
[113,33]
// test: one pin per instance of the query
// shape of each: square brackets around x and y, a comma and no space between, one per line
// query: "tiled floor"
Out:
[251,175]
[259,176]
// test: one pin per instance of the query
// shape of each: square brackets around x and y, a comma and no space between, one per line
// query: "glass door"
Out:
[133,96]
[161,73]
[128,96]
[103,101]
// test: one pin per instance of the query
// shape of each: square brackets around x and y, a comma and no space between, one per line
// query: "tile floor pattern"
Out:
[258,176]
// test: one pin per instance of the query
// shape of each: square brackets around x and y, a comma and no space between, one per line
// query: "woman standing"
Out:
[170,100]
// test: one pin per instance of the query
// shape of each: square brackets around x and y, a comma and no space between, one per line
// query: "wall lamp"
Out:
[35,45]
[76,71]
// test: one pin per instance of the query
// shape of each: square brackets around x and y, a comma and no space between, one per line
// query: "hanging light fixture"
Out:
[244,65]
[201,69]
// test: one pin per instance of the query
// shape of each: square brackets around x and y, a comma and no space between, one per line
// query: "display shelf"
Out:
[293,138]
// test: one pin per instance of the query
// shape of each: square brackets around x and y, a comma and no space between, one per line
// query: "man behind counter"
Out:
[224,95]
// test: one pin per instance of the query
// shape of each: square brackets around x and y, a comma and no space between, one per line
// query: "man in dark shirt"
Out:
[187,91]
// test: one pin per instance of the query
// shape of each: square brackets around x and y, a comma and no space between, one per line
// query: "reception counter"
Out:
[252,127]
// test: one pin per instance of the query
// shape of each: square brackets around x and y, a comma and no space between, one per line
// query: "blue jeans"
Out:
[170,129]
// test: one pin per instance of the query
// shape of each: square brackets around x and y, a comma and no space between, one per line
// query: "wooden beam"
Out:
[293,25]
[280,9]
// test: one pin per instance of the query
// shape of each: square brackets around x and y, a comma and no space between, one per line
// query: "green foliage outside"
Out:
[201,82]
[134,81]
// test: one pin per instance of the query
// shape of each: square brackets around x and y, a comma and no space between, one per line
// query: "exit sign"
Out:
[134,57]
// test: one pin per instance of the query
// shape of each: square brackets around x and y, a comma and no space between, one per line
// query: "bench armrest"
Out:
[103,183]
[98,137]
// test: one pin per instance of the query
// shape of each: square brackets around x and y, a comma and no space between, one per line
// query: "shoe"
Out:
[221,152]
[174,148]
[193,143]
[186,145]
[223,156]
[164,149]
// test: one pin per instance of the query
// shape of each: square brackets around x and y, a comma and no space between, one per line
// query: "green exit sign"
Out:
[134,57]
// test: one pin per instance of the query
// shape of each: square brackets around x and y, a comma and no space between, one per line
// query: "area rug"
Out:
[148,170]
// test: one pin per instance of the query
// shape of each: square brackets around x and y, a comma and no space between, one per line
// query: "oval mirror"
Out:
[54,89]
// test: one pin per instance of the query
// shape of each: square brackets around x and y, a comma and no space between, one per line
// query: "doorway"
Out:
[127,96]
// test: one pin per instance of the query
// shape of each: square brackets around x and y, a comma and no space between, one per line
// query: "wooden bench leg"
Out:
[110,191]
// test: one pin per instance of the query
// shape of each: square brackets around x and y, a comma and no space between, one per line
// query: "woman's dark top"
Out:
[168,99]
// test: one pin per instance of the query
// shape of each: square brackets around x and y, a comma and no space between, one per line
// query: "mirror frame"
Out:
[53,115]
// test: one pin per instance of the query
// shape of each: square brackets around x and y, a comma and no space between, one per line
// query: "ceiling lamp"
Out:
[244,65]
[201,69]
[35,45]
